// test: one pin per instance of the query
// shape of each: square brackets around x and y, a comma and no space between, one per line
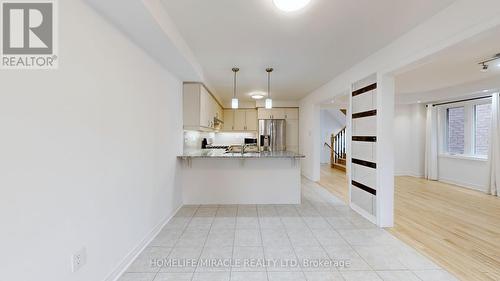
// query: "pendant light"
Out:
[234,101]
[269,101]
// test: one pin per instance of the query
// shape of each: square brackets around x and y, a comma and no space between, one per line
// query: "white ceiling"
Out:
[307,48]
[454,66]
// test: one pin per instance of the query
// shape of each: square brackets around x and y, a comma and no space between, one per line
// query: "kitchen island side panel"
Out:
[241,181]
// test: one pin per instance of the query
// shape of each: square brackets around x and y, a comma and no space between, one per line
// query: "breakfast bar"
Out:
[218,177]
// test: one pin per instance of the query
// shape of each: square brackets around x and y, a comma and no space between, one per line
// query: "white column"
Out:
[385,150]
[371,161]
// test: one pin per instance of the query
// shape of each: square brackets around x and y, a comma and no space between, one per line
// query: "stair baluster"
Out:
[338,146]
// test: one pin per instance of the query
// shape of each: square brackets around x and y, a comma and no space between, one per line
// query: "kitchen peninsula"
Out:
[238,156]
[215,177]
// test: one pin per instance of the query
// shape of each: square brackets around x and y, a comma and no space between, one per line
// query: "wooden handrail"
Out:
[343,129]
[329,146]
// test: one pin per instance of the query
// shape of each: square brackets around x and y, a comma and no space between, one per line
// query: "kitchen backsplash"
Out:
[192,139]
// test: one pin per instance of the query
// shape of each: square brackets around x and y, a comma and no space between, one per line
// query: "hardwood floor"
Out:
[334,181]
[456,227]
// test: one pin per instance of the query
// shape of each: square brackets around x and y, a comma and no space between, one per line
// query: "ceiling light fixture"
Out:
[257,96]
[290,5]
[269,101]
[485,63]
[484,68]
[234,101]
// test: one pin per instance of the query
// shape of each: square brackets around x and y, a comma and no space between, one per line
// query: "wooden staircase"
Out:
[338,150]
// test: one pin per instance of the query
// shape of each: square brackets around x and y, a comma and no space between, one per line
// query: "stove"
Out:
[217,147]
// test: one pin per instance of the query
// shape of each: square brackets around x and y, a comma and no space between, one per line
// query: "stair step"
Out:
[341,161]
[339,167]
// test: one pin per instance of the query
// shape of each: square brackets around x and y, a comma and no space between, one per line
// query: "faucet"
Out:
[243,147]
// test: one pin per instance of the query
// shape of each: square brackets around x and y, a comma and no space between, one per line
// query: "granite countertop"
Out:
[218,153]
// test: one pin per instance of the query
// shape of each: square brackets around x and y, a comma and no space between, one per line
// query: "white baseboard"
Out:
[364,213]
[308,177]
[132,255]
[465,184]
[408,174]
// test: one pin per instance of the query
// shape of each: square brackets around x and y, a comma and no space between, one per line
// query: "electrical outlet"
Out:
[79,259]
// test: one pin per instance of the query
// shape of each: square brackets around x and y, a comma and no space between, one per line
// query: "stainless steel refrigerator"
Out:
[272,135]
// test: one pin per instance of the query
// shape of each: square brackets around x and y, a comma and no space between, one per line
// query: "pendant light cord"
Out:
[269,70]
[269,84]
[235,70]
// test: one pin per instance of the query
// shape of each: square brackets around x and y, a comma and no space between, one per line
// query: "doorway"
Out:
[333,139]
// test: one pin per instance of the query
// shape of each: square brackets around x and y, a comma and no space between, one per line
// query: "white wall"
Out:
[329,125]
[410,128]
[469,173]
[459,21]
[88,153]
[309,140]
[409,140]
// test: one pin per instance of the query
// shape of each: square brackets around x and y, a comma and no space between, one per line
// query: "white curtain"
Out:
[431,143]
[494,154]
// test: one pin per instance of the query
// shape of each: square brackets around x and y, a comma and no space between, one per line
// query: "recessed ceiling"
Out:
[454,66]
[307,48]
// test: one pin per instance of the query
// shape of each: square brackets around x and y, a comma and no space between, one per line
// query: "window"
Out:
[466,130]
[482,120]
[456,130]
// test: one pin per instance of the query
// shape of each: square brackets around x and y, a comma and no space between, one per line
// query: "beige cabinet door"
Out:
[292,113]
[228,120]
[205,108]
[239,120]
[251,120]
[213,110]
[292,135]
[278,113]
[220,112]
[263,113]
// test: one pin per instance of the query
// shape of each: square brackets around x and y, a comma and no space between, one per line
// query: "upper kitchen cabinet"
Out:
[240,120]
[273,113]
[292,113]
[228,120]
[278,113]
[201,110]
[251,120]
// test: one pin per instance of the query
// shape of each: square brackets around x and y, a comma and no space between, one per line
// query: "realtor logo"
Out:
[28,37]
